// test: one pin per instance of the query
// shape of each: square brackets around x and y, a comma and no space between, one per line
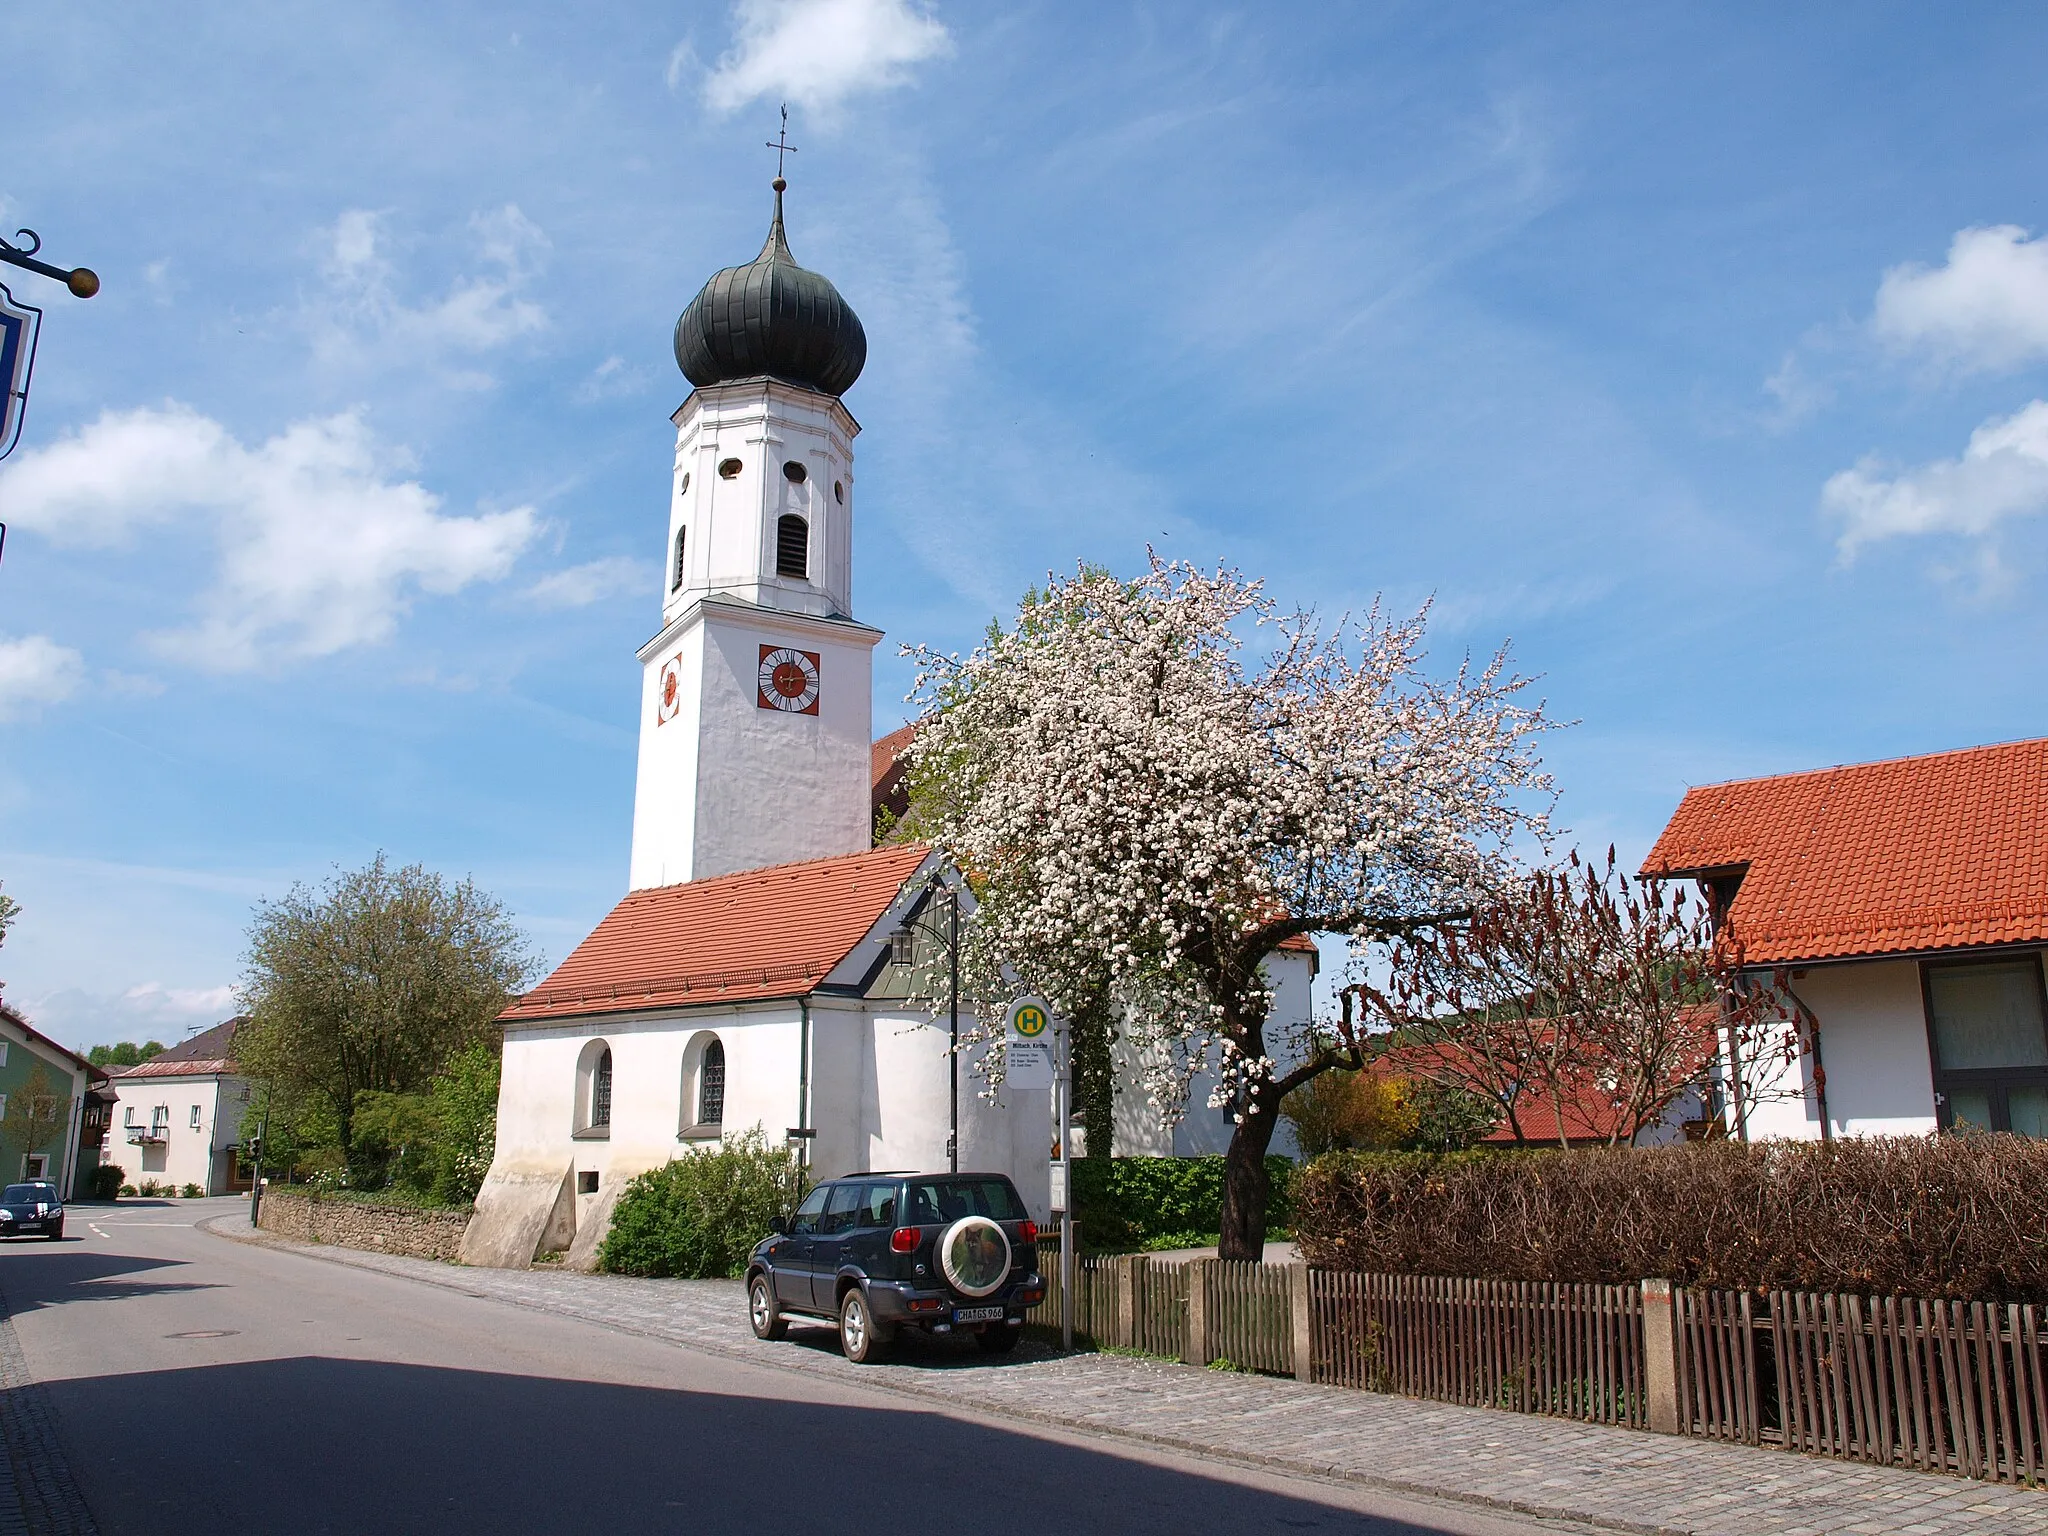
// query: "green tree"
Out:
[37,1113]
[125,1054]
[372,984]
[464,1098]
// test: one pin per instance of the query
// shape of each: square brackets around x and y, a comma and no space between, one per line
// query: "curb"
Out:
[1340,1476]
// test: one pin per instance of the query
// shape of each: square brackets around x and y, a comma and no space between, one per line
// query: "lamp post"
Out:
[903,951]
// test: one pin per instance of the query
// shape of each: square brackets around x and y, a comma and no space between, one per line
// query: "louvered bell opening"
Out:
[792,547]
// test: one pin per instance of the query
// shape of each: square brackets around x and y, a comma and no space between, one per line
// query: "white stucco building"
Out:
[177,1118]
[1904,905]
[746,979]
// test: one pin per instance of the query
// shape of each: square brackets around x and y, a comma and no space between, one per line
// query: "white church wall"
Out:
[774,787]
[665,796]
[729,524]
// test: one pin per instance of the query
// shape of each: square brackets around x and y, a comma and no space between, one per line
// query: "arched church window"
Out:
[711,1085]
[678,581]
[601,1091]
[792,546]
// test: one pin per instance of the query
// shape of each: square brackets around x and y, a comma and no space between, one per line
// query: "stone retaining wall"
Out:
[355,1224]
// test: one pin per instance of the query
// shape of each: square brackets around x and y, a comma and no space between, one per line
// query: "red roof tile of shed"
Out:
[761,933]
[1899,857]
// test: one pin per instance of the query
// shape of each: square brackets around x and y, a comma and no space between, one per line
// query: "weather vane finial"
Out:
[781,145]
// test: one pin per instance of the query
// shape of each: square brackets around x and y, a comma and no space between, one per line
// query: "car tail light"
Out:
[904,1239]
[1028,1230]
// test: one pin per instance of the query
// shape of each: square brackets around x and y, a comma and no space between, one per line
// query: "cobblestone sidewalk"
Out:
[1621,1479]
[37,1494]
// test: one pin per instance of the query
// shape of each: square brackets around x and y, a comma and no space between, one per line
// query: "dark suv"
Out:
[876,1252]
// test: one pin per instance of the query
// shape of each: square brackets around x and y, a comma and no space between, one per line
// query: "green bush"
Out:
[150,1189]
[1127,1203]
[192,1192]
[104,1182]
[1949,1216]
[698,1217]
[128,1190]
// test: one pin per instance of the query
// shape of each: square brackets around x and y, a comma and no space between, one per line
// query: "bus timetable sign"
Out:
[1027,1034]
[18,324]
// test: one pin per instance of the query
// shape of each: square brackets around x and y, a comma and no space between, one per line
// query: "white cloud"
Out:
[321,546]
[1985,310]
[612,379]
[360,313]
[2002,474]
[817,53]
[36,670]
[581,585]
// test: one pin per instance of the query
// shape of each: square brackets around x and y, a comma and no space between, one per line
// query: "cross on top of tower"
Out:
[781,145]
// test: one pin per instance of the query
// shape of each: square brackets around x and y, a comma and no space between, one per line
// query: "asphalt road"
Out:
[199,1384]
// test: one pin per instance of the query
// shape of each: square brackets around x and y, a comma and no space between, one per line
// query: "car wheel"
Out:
[762,1312]
[860,1336]
[998,1338]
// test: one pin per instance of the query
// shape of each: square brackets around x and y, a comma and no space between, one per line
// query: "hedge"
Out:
[1126,1203]
[699,1216]
[1953,1216]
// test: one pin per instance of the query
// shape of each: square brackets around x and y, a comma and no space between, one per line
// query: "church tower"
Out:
[755,719]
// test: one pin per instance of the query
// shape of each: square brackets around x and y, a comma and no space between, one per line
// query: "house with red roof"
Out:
[1903,905]
[752,977]
[176,1119]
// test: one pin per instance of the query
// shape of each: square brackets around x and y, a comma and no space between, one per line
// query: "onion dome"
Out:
[771,318]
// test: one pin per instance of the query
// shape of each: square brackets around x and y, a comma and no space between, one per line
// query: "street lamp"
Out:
[902,951]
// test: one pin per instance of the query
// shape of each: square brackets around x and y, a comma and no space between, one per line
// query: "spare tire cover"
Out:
[975,1255]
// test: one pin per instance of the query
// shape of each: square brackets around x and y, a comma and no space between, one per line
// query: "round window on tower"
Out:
[838,492]
[794,472]
[684,488]
[728,469]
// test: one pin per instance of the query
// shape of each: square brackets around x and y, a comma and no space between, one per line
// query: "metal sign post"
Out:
[1066,1092]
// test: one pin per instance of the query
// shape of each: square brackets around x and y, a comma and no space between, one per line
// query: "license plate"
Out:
[977,1314]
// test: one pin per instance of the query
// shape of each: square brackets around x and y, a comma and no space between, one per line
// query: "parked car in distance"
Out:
[31,1210]
[880,1252]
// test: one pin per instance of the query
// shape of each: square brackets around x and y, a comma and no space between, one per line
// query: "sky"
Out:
[1699,352]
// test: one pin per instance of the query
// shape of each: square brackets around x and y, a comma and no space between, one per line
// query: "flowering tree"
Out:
[1138,805]
[1579,988]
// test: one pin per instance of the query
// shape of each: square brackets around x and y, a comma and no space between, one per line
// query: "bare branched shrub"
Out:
[1955,1216]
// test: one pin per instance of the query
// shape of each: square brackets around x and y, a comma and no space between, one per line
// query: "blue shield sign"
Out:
[18,325]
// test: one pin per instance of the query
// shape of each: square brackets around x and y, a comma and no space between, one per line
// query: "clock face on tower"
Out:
[788,680]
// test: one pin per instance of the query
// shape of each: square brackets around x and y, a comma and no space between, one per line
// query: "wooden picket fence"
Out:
[1943,1386]
[1940,1386]
[1570,1350]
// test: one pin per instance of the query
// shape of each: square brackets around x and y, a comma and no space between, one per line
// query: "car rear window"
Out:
[936,1200]
[23,1194]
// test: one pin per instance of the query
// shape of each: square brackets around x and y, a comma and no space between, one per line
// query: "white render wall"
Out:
[730,547]
[1873,1043]
[725,785]
[1141,1130]
[878,1098]
[187,1156]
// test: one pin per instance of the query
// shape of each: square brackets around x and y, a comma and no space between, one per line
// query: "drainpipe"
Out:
[803,1080]
[1820,1073]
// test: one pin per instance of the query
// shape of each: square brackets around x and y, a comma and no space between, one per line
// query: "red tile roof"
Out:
[761,933]
[885,773]
[1898,857]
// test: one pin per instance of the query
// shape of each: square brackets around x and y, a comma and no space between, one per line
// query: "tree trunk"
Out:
[1245,1186]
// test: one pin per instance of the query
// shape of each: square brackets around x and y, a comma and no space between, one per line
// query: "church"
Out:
[756,974]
